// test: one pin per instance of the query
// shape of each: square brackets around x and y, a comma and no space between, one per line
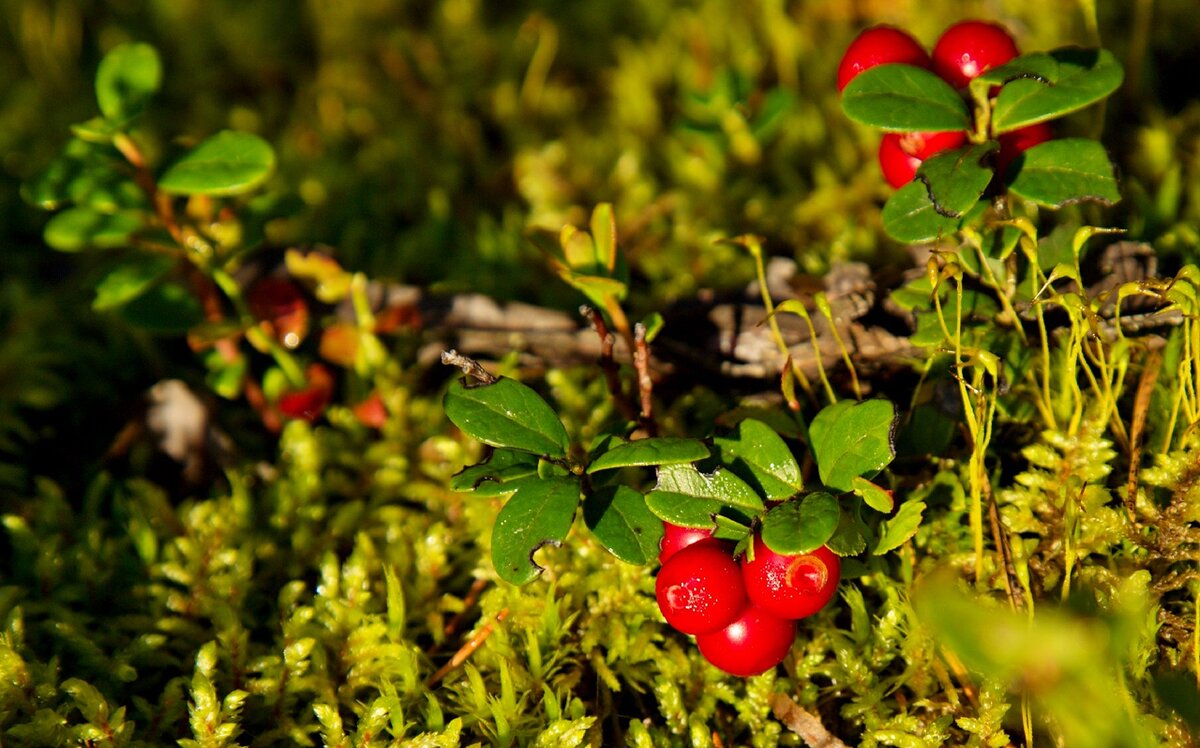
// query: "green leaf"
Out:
[910,215]
[165,308]
[618,517]
[904,98]
[801,525]
[896,531]
[604,236]
[757,455]
[1052,85]
[129,280]
[728,528]
[642,452]
[687,497]
[84,174]
[1060,172]
[76,229]
[957,178]
[228,163]
[490,476]
[126,79]
[851,439]
[540,512]
[850,537]
[878,498]
[597,288]
[508,414]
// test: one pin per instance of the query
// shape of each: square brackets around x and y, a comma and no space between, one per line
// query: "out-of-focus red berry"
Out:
[280,306]
[309,403]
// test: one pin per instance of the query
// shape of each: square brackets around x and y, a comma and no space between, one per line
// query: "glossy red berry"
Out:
[968,48]
[676,538]
[879,45]
[898,167]
[700,588]
[922,145]
[754,643]
[1013,144]
[791,586]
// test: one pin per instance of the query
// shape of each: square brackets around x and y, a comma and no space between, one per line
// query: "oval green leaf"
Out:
[852,440]
[618,517]
[130,280]
[904,98]
[490,476]
[643,452]
[86,175]
[910,215]
[506,414]
[540,512]
[896,531]
[802,525]
[877,497]
[1060,172]
[126,79]
[228,163]
[760,457]
[79,228]
[850,537]
[957,178]
[687,497]
[1069,80]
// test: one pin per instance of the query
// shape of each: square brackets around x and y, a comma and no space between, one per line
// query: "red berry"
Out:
[791,586]
[898,167]
[309,403]
[700,588]
[968,48]
[1013,144]
[924,144]
[879,45]
[754,643]
[676,538]
[372,412]
[280,306]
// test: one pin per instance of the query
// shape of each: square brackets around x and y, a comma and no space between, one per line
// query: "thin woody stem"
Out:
[641,364]
[469,366]
[608,363]
[466,650]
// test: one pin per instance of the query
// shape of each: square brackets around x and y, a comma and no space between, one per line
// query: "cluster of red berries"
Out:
[963,52]
[742,613]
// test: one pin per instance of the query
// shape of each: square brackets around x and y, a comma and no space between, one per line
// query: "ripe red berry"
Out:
[901,154]
[879,45]
[754,643]
[898,167]
[1013,144]
[676,538]
[968,48]
[700,588]
[791,586]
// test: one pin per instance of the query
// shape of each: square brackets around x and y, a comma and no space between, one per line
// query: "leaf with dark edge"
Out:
[910,215]
[760,457]
[1064,171]
[618,517]
[801,525]
[644,452]
[896,531]
[957,178]
[1040,90]
[904,98]
[852,440]
[502,466]
[507,414]
[540,512]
